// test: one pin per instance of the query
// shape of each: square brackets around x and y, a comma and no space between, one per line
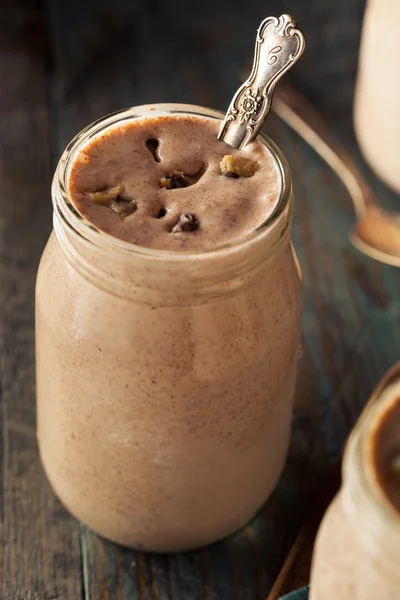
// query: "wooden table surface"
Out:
[63,64]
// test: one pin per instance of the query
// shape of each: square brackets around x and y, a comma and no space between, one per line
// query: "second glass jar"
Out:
[356,554]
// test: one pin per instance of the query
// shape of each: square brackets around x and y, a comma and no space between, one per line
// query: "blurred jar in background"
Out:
[356,554]
[377,98]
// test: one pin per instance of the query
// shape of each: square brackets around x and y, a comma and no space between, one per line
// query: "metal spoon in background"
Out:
[377,231]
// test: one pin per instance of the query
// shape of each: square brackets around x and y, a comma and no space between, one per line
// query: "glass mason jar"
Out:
[377,98]
[356,555]
[165,380]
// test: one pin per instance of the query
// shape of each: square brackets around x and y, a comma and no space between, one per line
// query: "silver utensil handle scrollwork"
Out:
[279,45]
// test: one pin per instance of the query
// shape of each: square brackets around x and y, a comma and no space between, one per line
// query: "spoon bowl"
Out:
[377,231]
[377,234]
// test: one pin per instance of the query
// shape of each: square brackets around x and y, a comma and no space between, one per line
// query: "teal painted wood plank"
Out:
[39,547]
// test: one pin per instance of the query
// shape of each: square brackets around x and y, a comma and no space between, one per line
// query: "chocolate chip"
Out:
[178,181]
[232,175]
[186,222]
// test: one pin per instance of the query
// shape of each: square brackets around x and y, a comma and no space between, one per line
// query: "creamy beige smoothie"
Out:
[168,310]
[358,545]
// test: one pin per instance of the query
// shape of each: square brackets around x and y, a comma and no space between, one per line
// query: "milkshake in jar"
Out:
[356,555]
[167,328]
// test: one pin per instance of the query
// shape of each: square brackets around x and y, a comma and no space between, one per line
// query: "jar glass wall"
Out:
[165,380]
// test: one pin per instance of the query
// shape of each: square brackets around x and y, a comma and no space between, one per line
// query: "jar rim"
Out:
[63,205]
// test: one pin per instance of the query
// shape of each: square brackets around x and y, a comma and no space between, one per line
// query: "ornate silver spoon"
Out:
[279,45]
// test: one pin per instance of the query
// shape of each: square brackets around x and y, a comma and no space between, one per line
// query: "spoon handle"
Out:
[279,45]
[296,111]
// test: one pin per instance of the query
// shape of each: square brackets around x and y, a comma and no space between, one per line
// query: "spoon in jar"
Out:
[377,231]
[279,45]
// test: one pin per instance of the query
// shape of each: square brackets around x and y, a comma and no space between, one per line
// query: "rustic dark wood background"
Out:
[65,63]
